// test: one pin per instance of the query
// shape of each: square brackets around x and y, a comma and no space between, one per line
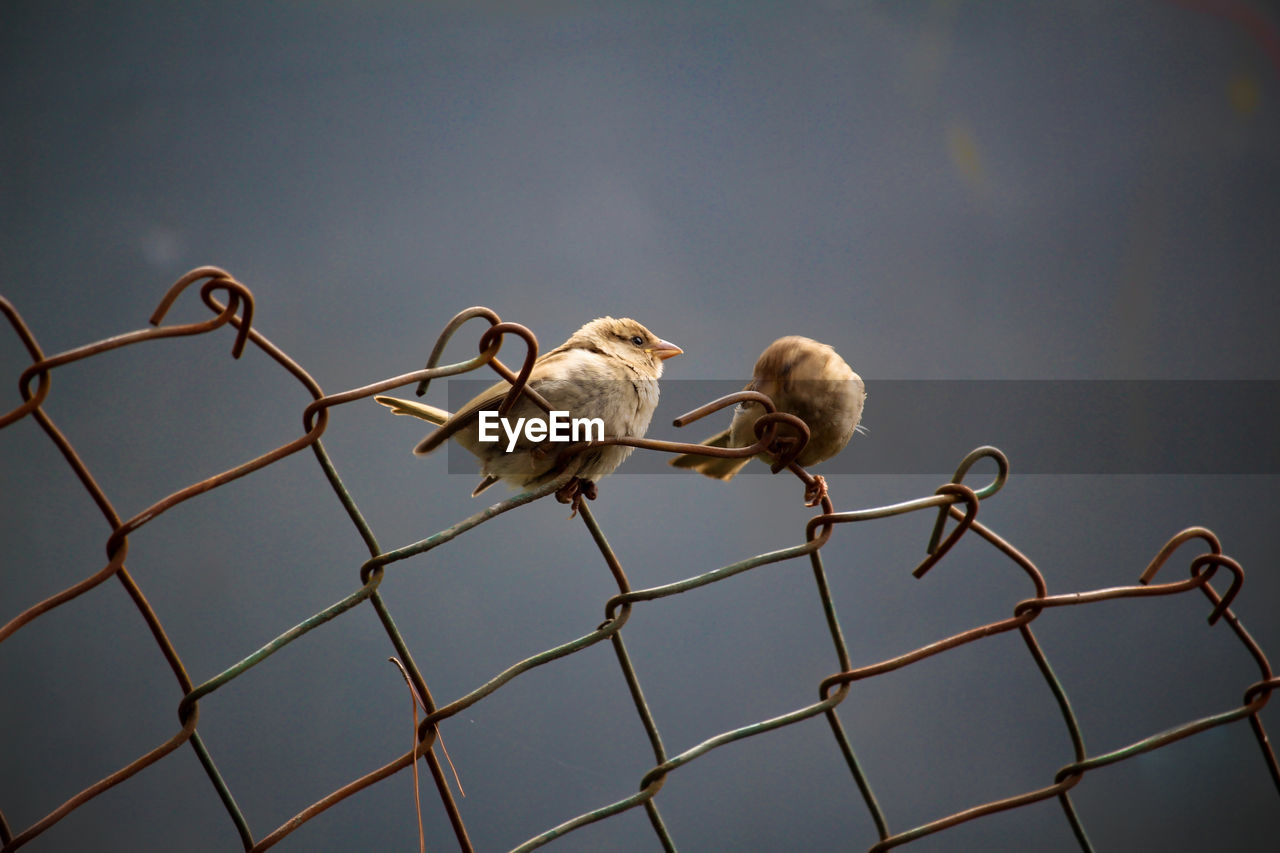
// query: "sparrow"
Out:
[608,369]
[804,378]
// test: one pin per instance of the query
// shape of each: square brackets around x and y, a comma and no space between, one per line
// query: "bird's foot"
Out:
[815,491]
[574,492]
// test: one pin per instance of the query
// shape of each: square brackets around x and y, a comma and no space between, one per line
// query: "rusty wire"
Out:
[952,500]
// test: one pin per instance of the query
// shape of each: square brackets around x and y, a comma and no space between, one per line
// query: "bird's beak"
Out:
[664,350]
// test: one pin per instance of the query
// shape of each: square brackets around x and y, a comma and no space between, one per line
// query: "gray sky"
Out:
[944,191]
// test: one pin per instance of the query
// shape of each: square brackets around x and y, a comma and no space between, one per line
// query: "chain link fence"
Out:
[1212,572]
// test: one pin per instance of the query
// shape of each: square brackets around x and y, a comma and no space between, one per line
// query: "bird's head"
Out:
[628,340]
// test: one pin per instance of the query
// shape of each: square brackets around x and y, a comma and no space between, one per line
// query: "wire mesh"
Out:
[952,501]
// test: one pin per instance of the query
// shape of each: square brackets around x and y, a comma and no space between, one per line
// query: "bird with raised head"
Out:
[608,369]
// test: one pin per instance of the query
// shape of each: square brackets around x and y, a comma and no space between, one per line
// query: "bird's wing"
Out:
[548,366]
[489,398]
[448,423]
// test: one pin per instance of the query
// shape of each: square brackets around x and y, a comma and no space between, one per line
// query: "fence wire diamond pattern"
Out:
[232,306]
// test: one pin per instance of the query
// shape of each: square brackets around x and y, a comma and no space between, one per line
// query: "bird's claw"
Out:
[815,491]
[574,492]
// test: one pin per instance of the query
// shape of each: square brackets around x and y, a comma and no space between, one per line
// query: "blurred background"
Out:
[942,191]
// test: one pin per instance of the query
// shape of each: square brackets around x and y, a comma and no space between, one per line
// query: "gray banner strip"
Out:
[1045,426]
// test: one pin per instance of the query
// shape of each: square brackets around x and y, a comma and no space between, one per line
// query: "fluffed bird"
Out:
[608,369]
[804,378]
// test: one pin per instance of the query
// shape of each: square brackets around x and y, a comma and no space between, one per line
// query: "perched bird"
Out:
[803,378]
[608,370]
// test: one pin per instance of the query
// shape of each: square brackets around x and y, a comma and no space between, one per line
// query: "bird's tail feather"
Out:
[488,481]
[717,467]
[413,407]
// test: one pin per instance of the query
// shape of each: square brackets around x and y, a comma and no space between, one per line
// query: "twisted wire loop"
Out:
[953,500]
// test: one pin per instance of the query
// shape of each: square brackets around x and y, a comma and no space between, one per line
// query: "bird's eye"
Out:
[637,340]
